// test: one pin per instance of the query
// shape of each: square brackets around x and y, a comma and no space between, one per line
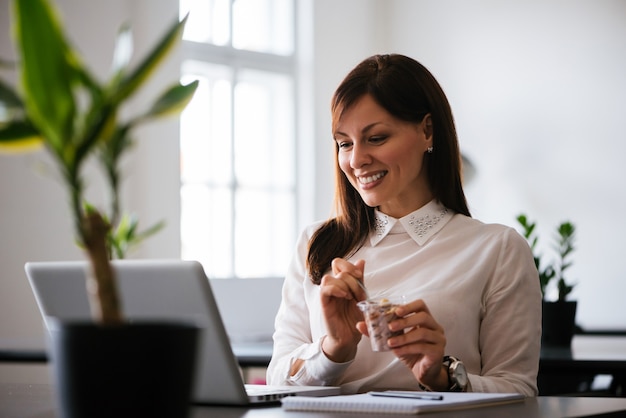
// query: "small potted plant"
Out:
[559,316]
[61,106]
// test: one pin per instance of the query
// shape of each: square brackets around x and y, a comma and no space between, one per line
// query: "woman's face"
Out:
[383,157]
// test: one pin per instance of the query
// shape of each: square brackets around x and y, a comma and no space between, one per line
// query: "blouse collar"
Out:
[420,225]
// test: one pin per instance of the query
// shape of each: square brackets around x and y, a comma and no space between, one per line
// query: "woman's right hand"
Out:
[340,293]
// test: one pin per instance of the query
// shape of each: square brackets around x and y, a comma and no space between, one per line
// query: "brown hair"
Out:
[408,91]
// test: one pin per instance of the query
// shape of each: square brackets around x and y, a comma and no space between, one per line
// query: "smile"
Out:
[371,179]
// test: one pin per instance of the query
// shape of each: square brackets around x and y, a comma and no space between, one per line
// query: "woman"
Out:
[403,228]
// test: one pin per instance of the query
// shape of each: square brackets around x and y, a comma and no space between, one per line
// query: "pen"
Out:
[408,395]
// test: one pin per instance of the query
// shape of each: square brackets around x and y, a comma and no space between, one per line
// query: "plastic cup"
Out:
[378,314]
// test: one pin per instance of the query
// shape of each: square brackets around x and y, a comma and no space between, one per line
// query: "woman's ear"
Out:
[427,125]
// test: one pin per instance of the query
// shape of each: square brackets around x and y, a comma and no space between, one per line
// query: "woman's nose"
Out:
[360,156]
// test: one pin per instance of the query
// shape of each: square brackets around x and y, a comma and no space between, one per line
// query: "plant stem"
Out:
[101,283]
[100,279]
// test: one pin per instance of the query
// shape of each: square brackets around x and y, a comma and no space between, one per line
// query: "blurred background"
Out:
[537,89]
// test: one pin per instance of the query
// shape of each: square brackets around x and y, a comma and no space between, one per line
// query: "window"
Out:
[238,137]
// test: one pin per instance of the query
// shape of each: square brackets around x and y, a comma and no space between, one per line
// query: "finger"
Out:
[422,351]
[339,265]
[414,320]
[420,335]
[351,285]
[360,264]
[415,306]
[341,286]
[331,286]
[351,274]
[419,340]
[361,326]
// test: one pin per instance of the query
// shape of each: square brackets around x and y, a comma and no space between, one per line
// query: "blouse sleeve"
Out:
[293,337]
[510,329]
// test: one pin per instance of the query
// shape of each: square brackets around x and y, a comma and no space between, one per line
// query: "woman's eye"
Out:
[378,138]
[343,144]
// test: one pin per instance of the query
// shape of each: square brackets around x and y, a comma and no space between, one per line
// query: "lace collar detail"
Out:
[420,225]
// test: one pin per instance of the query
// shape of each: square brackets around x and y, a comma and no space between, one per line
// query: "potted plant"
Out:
[559,316]
[63,107]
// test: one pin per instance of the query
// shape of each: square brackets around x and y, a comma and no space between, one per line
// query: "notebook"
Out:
[164,289]
[399,402]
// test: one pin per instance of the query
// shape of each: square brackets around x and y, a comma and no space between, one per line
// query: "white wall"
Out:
[537,88]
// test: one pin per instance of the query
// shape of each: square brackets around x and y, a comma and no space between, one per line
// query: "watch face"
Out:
[460,374]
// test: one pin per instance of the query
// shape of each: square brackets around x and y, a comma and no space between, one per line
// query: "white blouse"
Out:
[478,280]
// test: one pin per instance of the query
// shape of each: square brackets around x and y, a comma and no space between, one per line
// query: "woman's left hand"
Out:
[422,346]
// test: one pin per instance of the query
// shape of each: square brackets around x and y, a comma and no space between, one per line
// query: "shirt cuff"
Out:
[317,369]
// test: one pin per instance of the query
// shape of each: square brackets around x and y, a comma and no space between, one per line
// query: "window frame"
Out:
[290,65]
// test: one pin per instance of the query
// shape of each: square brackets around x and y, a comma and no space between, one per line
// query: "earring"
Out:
[429,150]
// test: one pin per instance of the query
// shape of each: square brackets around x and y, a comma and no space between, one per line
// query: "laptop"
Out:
[164,289]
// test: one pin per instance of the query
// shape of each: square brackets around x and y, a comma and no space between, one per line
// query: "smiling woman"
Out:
[403,231]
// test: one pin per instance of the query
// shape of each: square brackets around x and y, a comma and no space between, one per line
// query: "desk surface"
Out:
[24,400]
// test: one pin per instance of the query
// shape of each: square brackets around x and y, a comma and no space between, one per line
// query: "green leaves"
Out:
[546,274]
[126,236]
[46,76]
[74,115]
[61,105]
[19,136]
[17,133]
[564,247]
[529,228]
[173,100]
[131,82]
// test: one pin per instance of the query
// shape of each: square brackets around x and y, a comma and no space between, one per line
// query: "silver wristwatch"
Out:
[457,375]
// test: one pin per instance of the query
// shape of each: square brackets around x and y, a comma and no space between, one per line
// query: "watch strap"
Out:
[453,384]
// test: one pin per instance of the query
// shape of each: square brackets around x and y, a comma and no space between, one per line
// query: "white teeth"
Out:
[366,180]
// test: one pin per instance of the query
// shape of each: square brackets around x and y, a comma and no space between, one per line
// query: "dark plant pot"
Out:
[558,323]
[132,370]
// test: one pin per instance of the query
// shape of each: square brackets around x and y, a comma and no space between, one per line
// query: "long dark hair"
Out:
[408,91]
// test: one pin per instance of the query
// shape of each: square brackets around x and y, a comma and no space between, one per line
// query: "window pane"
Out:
[264,130]
[206,144]
[206,220]
[263,26]
[208,20]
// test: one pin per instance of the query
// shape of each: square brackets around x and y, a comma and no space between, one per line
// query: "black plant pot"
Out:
[558,323]
[131,370]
